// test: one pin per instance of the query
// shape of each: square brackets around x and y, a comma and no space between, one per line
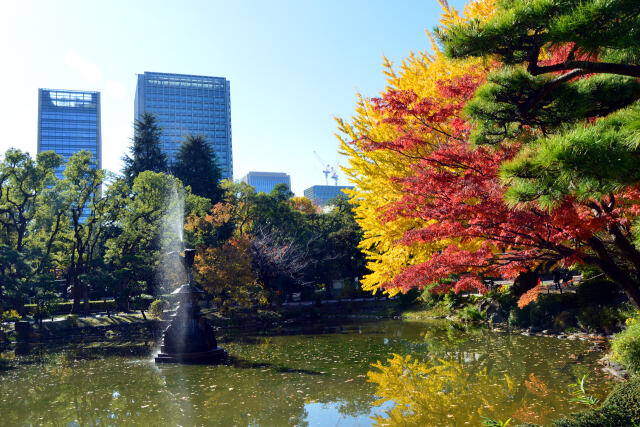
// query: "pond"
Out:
[372,373]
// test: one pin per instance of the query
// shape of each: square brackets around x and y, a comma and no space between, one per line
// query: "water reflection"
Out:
[438,392]
[469,375]
[318,376]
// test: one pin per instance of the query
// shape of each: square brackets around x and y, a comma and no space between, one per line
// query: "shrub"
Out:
[620,408]
[10,316]
[519,318]
[626,346]
[597,292]
[471,313]
[157,307]
[564,319]
[65,307]
[427,297]
[598,317]
[409,298]
[452,299]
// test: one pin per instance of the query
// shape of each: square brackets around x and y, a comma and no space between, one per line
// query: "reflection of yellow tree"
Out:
[441,393]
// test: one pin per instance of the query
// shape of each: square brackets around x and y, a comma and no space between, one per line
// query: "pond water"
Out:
[425,374]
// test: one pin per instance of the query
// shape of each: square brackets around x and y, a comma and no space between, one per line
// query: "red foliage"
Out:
[458,187]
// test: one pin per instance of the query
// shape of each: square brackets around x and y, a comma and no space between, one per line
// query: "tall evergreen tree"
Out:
[145,149]
[196,166]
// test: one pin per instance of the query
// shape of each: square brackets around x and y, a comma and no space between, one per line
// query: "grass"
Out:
[423,313]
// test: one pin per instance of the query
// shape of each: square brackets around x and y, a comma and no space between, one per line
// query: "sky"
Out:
[294,65]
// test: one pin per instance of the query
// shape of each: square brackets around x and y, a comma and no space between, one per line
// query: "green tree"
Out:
[25,184]
[145,149]
[85,208]
[196,167]
[566,100]
[333,247]
[149,215]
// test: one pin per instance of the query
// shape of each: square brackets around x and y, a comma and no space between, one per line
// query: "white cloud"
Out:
[114,90]
[87,70]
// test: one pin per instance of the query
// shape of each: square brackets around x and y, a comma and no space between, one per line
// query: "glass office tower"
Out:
[264,182]
[321,194]
[68,122]
[188,104]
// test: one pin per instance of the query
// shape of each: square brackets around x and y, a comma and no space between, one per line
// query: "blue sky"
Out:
[293,66]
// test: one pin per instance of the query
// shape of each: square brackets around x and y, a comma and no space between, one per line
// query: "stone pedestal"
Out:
[23,330]
[189,338]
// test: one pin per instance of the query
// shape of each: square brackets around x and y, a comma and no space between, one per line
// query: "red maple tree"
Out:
[456,187]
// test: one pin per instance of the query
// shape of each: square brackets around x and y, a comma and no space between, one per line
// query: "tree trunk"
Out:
[75,293]
[525,281]
[106,307]
[85,297]
[629,286]
[608,266]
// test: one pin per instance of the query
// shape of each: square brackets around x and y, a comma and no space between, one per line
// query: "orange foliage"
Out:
[530,296]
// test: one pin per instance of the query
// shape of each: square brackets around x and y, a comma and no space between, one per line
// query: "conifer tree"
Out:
[145,149]
[196,166]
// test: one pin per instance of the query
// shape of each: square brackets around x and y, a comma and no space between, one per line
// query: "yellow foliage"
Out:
[226,272]
[372,171]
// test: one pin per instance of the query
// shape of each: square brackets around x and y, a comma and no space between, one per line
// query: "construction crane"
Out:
[334,175]
[327,169]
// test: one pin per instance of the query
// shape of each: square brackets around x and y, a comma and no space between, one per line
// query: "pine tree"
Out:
[145,149]
[196,166]
[568,97]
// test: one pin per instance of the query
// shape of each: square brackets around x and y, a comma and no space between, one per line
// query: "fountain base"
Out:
[215,355]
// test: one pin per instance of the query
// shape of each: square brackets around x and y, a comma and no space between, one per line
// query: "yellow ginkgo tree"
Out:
[377,172]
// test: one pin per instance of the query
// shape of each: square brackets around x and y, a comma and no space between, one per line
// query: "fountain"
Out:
[189,338]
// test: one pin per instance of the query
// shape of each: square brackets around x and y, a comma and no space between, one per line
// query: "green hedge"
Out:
[94,306]
[620,408]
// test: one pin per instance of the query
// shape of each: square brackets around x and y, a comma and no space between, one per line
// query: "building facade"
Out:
[264,182]
[321,194]
[68,122]
[186,104]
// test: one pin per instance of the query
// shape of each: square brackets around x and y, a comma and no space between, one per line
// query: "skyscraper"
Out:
[321,194]
[68,122]
[188,104]
[265,181]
